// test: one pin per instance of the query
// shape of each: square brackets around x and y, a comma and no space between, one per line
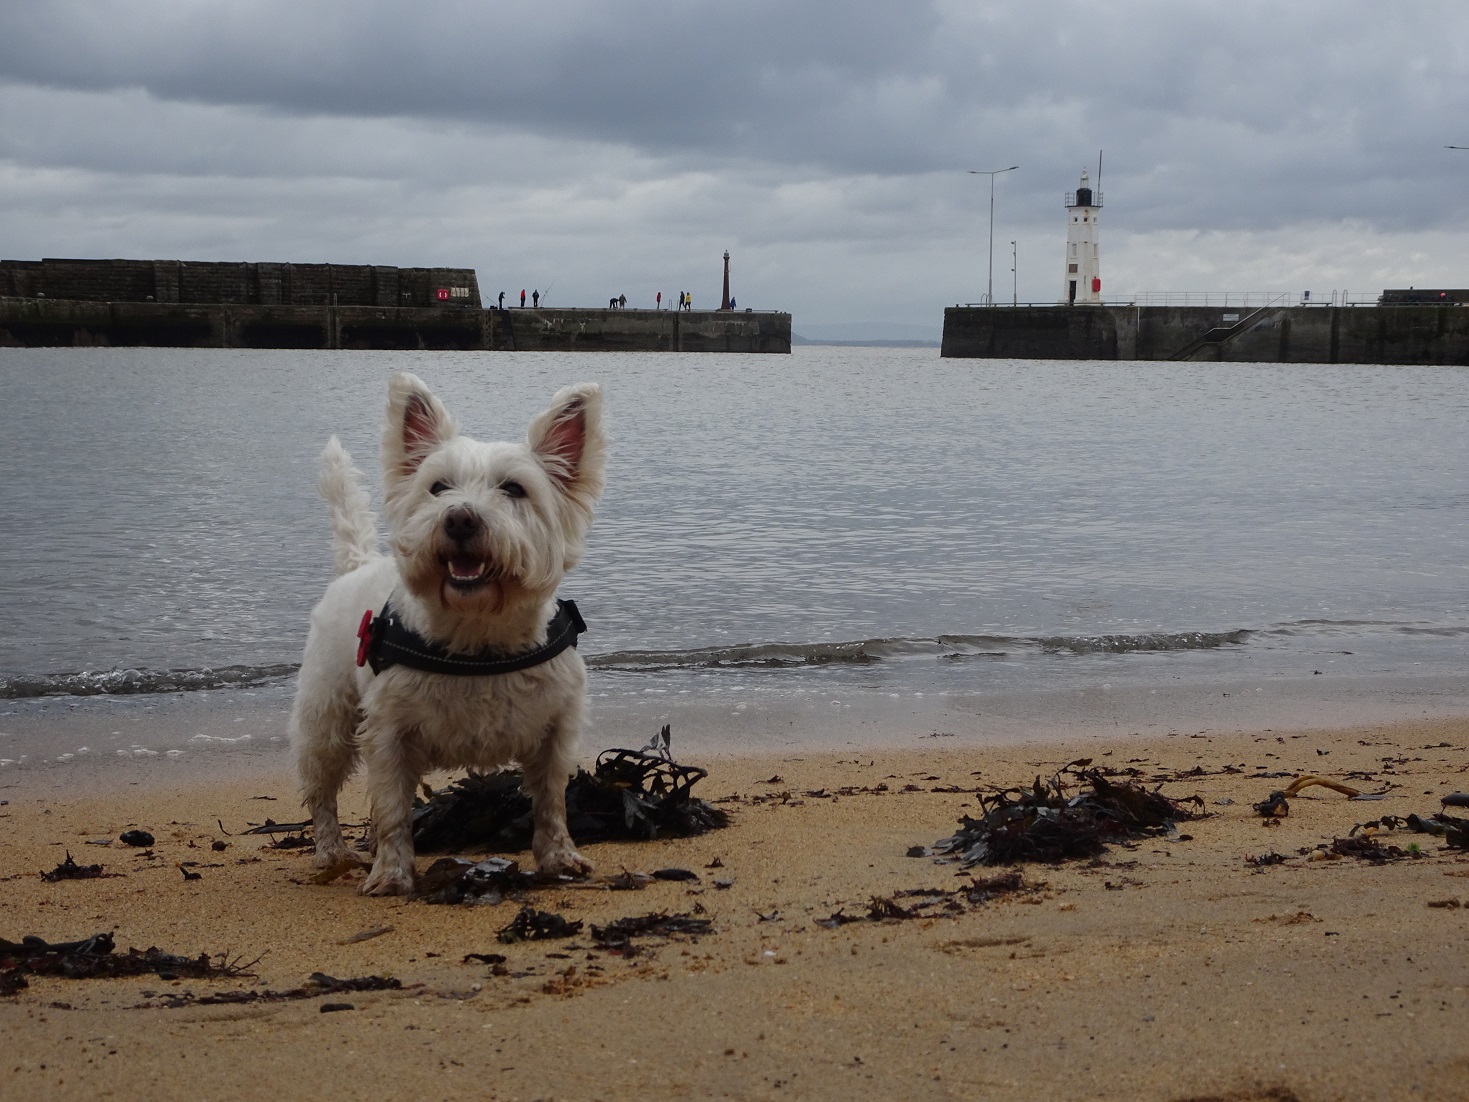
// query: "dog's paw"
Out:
[388,881]
[329,857]
[564,862]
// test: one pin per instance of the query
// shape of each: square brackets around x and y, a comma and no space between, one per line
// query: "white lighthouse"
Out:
[1083,281]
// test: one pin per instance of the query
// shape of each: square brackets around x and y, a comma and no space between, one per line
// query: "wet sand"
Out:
[1170,969]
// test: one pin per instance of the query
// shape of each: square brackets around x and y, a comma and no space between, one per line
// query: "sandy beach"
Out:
[1169,969]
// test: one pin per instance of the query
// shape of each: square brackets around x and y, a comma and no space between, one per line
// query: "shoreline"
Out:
[1168,969]
[126,740]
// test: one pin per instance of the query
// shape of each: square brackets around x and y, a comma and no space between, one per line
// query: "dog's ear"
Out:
[415,425]
[569,441]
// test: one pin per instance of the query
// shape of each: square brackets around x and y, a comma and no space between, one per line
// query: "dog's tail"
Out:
[354,528]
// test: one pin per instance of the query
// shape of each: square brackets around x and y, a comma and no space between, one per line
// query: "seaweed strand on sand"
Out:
[1074,814]
[94,957]
[631,795]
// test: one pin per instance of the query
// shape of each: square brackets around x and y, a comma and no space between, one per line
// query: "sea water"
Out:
[835,525]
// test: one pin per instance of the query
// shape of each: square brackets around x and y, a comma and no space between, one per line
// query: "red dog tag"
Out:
[364,638]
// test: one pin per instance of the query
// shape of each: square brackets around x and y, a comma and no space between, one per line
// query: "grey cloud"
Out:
[862,86]
[625,142]
[654,75]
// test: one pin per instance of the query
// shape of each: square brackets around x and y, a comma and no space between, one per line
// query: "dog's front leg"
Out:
[546,773]
[392,773]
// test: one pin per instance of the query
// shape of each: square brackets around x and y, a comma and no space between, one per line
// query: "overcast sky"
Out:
[593,149]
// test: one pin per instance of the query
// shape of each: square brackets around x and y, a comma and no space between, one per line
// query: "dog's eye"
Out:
[438,488]
[513,489]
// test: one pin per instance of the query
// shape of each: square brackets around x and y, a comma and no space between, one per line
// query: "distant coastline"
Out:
[796,339]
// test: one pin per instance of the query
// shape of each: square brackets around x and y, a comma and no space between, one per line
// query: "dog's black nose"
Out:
[461,523]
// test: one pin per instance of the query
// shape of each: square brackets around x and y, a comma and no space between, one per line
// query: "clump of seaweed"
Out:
[1074,814]
[457,880]
[70,870]
[934,902]
[632,795]
[1454,831]
[93,957]
[533,925]
[1364,847]
[318,985]
[617,936]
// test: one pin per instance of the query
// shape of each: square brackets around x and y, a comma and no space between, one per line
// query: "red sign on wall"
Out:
[442,294]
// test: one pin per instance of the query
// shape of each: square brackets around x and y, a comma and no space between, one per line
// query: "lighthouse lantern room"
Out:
[1083,282]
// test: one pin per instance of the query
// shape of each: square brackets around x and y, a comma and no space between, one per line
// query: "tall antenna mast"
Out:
[1099,172]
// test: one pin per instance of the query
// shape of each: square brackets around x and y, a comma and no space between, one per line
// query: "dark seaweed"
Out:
[632,795]
[1273,806]
[70,870]
[1074,814]
[94,957]
[618,936]
[983,889]
[270,826]
[1264,860]
[457,880]
[533,925]
[320,984]
[934,902]
[1454,831]
[1364,848]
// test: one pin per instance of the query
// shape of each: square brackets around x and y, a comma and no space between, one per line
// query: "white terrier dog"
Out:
[481,536]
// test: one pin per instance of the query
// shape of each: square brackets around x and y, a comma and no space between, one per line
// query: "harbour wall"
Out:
[1275,334]
[30,322]
[642,330]
[242,283]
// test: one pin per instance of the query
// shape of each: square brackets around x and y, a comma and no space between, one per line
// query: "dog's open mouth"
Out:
[466,572]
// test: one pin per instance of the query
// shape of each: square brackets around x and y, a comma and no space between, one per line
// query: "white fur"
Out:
[474,565]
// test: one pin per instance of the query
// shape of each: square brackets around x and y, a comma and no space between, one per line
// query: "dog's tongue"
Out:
[464,569]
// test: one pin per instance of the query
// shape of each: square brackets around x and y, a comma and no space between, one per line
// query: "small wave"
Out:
[742,656]
[1361,627]
[1144,642]
[868,651]
[131,682]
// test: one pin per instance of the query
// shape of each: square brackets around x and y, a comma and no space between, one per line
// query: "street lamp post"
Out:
[991,173]
[1014,275]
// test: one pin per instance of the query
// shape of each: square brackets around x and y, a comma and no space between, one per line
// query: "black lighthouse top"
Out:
[1083,195]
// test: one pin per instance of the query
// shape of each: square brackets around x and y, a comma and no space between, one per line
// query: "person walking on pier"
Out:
[660,300]
[502,300]
[535,299]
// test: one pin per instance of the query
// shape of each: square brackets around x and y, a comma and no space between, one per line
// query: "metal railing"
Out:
[1244,299]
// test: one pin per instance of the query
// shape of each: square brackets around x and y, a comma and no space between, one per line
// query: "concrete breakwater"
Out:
[188,304]
[32,323]
[219,282]
[1272,334]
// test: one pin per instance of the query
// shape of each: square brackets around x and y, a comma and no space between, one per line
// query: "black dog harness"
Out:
[384,641]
